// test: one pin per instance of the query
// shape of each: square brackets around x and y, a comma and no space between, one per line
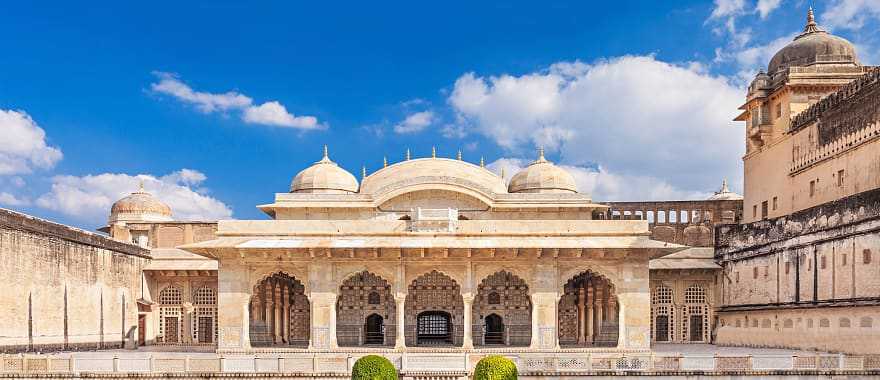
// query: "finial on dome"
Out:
[407,154]
[502,173]
[811,26]
[482,162]
[433,152]
[385,162]
[363,171]
[724,188]
[458,156]
[540,155]
[326,157]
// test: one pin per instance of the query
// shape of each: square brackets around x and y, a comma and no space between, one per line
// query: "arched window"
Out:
[373,298]
[205,296]
[204,326]
[494,298]
[170,314]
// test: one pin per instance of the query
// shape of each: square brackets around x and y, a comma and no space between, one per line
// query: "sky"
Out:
[215,106]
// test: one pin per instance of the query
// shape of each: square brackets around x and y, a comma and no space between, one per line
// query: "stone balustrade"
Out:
[425,366]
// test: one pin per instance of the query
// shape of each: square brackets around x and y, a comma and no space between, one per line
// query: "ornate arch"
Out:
[279,311]
[259,274]
[482,271]
[578,269]
[459,277]
[354,306]
[507,296]
[383,270]
[434,291]
[588,312]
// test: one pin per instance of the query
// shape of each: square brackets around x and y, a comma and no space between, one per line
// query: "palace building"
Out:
[439,255]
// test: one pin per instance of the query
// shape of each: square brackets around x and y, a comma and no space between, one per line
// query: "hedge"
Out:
[495,367]
[373,367]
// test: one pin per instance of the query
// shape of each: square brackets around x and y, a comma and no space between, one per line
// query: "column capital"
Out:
[468,297]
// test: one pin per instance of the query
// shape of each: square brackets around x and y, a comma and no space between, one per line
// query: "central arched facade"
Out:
[434,311]
[588,312]
[279,312]
[502,311]
[365,312]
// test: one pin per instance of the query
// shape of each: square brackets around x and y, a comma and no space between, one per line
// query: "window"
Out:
[494,298]
[866,256]
[843,260]
[775,203]
[840,178]
[764,210]
[766,270]
[663,295]
[754,211]
[812,188]
[787,266]
[755,272]
[823,262]
[737,277]
[373,298]
[778,110]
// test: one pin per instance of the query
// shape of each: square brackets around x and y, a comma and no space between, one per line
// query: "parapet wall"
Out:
[65,288]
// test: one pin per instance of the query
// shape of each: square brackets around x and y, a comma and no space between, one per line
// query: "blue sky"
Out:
[216,106]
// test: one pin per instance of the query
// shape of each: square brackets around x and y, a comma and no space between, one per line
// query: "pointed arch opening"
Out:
[279,312]
[504,297]
[588,312]
[365,311]
[434,311]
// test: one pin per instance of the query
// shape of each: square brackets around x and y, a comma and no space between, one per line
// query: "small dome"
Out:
[140,206]
[542,176]
[324,177]
[812,46]
[725,194]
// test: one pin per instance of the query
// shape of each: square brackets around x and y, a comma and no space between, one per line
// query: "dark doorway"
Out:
[662,327]
[434,328]
[142,330]
[696,328]
[494,329]
[374,330]
[206,330]
[171,330]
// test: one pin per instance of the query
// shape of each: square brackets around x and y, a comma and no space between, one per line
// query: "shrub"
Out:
[495,367]
[373,367]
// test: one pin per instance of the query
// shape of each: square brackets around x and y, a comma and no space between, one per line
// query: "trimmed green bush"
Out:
[495,367]
[373,367]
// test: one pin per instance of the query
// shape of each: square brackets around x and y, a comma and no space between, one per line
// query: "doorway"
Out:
[206,330]
[171,330]
[374,330]
[494,329]
[662,328]
[142,330]
[696,328]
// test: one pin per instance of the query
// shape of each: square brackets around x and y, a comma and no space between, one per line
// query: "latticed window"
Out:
[494,298]
[373,298]
[662,295]
[205,296]
[695,294]
[171,296]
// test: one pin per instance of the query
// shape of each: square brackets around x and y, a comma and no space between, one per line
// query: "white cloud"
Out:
[603,186]
[415,122]
[206,102]
[8,199]
[23,145]
[765,7]
[88,198]
[850,14]
[270,113]
[635,116]
[725,8]
[274,113]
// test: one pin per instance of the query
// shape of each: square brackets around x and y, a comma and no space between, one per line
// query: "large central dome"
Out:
[814,45]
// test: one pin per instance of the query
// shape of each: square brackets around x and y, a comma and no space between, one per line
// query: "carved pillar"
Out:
[233,297]
[276,332]
[600,310]
[545,326]
[285,314]
[400,339]
[323,320]
[582,317]
[270,309]
[468,341]
[589,314]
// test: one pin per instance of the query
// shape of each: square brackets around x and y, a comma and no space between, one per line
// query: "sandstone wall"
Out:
[65,288]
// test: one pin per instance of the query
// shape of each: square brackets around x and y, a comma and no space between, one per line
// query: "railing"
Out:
[430,365]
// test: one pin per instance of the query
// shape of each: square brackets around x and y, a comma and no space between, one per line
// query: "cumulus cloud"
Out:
[274,113]
[23,146]
[88,198]
[415,122]
[271,113]
[726,8]
[633,116]
[8,199]
[604,186]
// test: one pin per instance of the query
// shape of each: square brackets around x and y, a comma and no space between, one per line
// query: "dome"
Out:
[811,46]
[324,177]
[140,206]
[725,194]
[434,173]
[542,176]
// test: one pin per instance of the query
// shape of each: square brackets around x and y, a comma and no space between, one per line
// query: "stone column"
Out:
[600,311]
[285,314]
[270,309]
[582,317]
[634,307]
[468,341]
[545,331]
[234,293]
[323,315]
[589,314]
[400,339]
[276,331]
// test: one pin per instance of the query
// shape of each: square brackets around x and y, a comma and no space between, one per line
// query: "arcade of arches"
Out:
[280,312]
[588,312]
